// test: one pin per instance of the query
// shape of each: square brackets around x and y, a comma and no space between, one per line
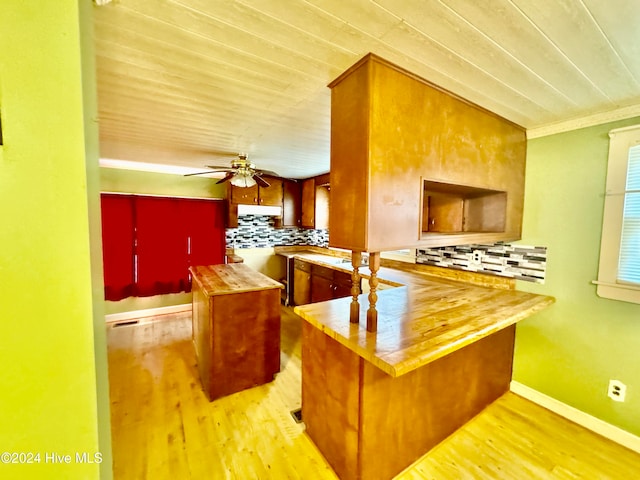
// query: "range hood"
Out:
[267,210]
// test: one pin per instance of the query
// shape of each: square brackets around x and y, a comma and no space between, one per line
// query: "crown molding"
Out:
[584,122]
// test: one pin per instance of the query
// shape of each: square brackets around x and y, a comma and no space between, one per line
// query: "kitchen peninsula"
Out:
[236,327]
[388,375]
[374,402]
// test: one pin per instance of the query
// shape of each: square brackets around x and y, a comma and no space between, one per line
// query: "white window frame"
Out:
[621,140]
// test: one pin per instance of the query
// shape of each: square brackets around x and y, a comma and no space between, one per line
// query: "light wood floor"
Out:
[164,428]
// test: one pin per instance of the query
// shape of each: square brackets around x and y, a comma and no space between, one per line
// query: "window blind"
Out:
[149,242]
[161,246]
[118,239]
[629,261]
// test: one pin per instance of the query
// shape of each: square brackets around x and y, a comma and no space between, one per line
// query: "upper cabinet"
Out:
[291,204]
[315,203]
[257,195]
[266,196]
[414,165]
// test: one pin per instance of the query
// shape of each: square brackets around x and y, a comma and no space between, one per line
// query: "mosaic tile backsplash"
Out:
[258,231]
[515,261]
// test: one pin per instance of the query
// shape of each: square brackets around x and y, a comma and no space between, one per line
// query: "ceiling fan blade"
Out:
[208,171]
[220,167]
[260,181]
[197,173]
[227,177]
[266,172]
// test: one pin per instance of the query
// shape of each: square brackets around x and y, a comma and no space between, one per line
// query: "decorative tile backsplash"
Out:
[258,231]
[515,261]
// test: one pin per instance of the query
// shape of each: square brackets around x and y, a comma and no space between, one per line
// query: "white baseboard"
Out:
[149,312]
[592,423]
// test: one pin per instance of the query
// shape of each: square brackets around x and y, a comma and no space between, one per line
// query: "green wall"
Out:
[92,147]
[149,183]
[571,350]
[54,369]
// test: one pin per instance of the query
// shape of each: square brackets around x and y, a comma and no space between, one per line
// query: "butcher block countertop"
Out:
[231,278]
[424,318]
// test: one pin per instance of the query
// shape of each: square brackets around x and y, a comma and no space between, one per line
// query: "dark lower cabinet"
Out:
[315,283]
[321,289]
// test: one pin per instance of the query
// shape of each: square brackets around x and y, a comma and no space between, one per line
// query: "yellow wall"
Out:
[53,376]
[263,260]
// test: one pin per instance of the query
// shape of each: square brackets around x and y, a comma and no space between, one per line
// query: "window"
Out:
[629,264]
[150,242]
[619,271]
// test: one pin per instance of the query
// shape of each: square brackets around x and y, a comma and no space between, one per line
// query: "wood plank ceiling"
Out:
[188,82]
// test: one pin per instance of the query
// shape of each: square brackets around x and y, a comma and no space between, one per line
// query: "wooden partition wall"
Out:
[370,425]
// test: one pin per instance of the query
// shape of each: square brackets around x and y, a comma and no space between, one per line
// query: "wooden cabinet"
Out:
[236,327]
[271,195]
[327,284]
[243,195]
[321,284]
[315,203]
[308,215]
[460,209]
[413,165]
[301,282]
[321,289]
[342,284]
[316,283]
[257,195]
[291,203]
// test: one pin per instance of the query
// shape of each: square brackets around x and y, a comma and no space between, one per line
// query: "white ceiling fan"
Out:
[241,173]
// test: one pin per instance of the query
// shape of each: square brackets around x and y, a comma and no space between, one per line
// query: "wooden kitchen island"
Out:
[236,327]
[374,403]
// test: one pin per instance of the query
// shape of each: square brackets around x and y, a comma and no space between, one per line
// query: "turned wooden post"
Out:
[356,259]
[372,313]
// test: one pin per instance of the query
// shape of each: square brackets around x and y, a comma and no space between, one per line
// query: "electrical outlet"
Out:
[617,390]
[476,257]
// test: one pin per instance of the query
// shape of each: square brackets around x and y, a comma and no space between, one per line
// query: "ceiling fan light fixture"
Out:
[241,174]
[243,180]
